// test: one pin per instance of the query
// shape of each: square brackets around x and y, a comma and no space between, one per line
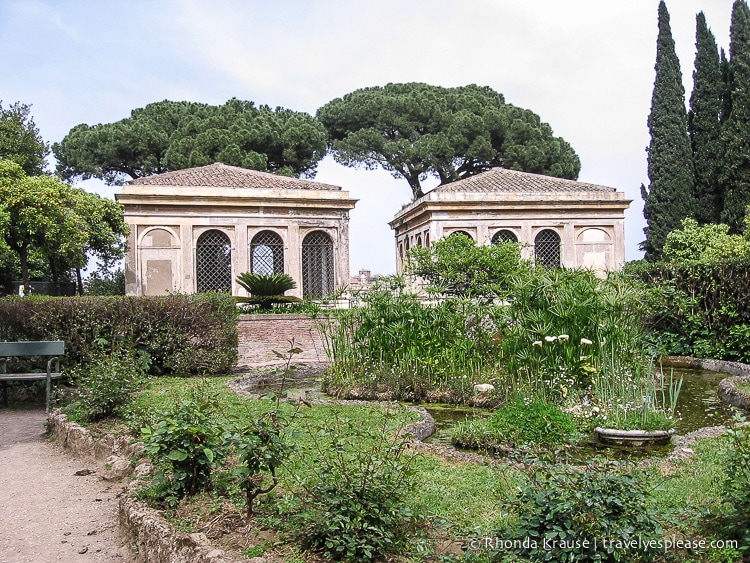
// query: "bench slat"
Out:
[33,348]
[28,376]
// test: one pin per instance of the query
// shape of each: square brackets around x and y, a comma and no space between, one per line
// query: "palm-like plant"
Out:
[267,289]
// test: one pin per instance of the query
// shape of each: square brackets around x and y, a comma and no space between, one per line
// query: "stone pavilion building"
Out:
[559,222]
[195,230]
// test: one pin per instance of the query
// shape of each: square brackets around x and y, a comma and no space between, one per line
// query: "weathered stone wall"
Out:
[260,335]
[154,539]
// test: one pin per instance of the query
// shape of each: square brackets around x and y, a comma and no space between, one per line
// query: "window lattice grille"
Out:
[267,253]
[547,249]
[317,265]
[213,262]
[504,235]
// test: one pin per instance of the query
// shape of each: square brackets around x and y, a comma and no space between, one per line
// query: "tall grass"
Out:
[395,343]
[572,334]
[562,336]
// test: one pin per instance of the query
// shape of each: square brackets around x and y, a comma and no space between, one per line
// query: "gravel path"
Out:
[47,512]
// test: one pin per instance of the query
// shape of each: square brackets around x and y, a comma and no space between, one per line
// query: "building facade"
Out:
[558,222]
[197,229]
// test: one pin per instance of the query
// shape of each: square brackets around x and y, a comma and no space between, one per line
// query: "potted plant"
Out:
[267,289]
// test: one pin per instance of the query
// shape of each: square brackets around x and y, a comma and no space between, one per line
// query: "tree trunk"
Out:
[23,256]
[79,281]
[55,278]
[416,187]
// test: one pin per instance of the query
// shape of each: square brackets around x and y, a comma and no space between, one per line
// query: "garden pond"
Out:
[698,405]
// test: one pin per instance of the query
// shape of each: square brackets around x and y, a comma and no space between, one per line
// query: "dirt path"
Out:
[47,512]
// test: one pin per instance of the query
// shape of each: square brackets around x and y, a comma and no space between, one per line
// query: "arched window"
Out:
[461,233]
[213,262]
[419,240]
[317,265]
[547,249]
[504,235]
[267,253]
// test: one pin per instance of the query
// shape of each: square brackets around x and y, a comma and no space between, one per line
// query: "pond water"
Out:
[698,405]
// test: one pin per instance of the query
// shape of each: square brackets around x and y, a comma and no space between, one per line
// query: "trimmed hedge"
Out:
[698,308]
[181,334]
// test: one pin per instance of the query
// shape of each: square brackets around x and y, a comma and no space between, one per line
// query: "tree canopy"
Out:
[704,243]
[167,135]
[20,141]
[735,175]
[43,216]
[669,196]
[704,124]
[415,130]
[456,265]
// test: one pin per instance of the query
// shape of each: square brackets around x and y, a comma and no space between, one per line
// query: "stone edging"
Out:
[155,540]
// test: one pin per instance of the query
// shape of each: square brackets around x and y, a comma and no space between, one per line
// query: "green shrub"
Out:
[178,333]
[737,484]
[355,508]
[262,446]
[105,384]
[185,445]
[568,514]
[520,422]
[697,307]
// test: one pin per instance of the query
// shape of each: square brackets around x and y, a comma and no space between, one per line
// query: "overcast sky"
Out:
[585,66]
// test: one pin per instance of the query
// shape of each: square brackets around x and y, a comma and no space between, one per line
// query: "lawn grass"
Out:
[463,494]
[466,496]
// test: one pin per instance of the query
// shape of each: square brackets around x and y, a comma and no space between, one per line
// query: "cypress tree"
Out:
[735,177]
[704,126]
[668,198]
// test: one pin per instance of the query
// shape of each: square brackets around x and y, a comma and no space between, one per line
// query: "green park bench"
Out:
[49,349]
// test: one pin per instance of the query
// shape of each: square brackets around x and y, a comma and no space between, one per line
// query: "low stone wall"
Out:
[260,335]
[114,452]
[155,539]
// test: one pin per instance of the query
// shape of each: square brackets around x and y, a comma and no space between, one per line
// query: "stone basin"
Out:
[633,438]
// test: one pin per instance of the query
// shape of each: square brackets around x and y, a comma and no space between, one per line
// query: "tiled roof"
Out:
[498,180]
[223,176]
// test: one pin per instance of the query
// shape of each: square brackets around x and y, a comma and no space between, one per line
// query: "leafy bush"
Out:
[105,384]
[697,307]
[737,470]
[178,333]
[262,446]
[185,444]
[518,423]
[457,266]
[568,514]
[105,282]
[355,508]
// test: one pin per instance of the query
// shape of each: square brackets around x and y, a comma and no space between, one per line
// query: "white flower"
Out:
[537,343]
[563,337]
[550,338]
[586,341]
